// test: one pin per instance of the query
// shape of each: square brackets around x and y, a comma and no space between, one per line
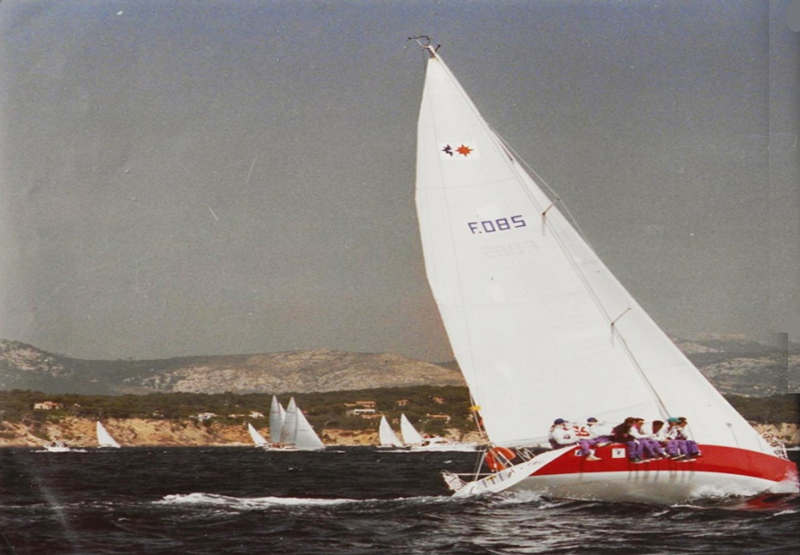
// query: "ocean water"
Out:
[241,500]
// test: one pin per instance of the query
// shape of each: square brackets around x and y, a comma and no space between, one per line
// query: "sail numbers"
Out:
[493,226]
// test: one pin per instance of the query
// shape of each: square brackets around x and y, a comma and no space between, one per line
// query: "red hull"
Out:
[722,472]
[715,459]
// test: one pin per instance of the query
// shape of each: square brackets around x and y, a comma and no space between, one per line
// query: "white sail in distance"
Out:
[297,431]
[104,438]
[386,434]
[277,414]
[289,428]
[306,438]
[257,438]
[410,434]
[540,327]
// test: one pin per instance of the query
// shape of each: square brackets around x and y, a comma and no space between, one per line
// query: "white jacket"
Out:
[644,433]
[563,436]
[598,429]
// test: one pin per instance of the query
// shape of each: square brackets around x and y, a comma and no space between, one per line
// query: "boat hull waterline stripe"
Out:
[720,471]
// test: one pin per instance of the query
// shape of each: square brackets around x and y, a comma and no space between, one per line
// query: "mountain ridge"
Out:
[734,367]
[24,366]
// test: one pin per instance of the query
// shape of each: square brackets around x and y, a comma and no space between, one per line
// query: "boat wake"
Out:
[258,503]
[519,498]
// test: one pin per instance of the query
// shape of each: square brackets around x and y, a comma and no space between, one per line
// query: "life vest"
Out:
[497,463]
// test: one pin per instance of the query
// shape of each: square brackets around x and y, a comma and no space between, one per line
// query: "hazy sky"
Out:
[211,177]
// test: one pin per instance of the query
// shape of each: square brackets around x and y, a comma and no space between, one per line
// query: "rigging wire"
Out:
[570,220]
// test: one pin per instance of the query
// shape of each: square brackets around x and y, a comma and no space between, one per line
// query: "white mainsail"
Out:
[258,439]
[540,327]
[297,431]
[387,436]
[104,439]
[410,434]
[277,414]
[289,429]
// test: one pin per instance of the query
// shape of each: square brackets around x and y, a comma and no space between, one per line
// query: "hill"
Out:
[23,366]
[734,367]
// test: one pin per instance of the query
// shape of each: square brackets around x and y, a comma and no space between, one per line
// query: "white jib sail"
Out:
[387,436]
[277,414]
[257,438]
[306,438]
[528,306]
[104,439]
[410,434]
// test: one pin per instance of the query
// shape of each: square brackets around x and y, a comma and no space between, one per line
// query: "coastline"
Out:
[139,432]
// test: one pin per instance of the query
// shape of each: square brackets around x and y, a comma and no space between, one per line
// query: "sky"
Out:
[216,177]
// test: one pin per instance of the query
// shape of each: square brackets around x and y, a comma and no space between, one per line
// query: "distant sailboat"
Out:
[277,414]
[104,439]
[542,330]
[410,434]
[258,439]
[418,442]
[57,447]
[386,435]
[297,432]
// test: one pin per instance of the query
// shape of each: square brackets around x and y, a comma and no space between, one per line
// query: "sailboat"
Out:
[57,447]
[297,433]
[542,330]
[277,414]
[386,435]
[104,439]
[258,439]
[418,442]
[410,434]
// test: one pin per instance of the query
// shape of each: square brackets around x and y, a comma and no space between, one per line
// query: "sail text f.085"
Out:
[539,325]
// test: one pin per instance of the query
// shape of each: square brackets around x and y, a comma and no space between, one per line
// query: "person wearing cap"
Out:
[668,435]
[688,447]
[598,431]
[561,434]
[597,437]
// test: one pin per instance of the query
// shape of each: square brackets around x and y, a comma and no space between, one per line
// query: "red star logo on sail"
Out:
[464,150]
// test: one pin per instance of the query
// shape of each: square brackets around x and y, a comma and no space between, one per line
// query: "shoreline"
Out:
[139,432]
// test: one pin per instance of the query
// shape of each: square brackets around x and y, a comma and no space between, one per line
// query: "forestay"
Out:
[540,327]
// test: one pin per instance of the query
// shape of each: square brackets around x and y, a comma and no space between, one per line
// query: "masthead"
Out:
[424,41]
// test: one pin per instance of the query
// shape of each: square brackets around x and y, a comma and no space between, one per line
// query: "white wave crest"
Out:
[210,499]
[514,497]
[251,503]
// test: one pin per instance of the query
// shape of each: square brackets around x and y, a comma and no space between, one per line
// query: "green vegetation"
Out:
[324,410]
[768,410]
